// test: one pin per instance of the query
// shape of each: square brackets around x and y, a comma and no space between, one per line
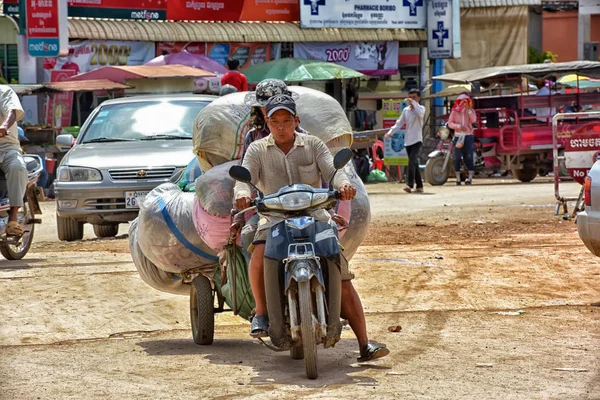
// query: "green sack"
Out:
[235,261]
[377,175]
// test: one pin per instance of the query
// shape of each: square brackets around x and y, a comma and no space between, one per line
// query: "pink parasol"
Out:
[191,60]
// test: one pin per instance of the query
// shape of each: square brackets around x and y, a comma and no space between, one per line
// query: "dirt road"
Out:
[493,294]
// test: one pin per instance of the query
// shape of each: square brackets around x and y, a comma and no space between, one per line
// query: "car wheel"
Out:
[68,229]
[103,231]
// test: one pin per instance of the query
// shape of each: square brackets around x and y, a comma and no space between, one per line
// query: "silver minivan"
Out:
[125,148]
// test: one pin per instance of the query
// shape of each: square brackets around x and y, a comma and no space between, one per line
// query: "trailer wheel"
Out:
[525,174]
[202,311]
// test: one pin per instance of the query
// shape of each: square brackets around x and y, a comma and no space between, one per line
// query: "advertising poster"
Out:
[60,106]
[88,55]
[199,10]
[371,58]
[369,14]
[247,53]
[10,7]
[271,10]
[394,151]
[163,48]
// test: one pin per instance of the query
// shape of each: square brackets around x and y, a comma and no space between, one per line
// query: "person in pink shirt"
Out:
[461,120]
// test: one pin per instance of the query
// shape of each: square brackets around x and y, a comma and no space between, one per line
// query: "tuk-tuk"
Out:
[514,123]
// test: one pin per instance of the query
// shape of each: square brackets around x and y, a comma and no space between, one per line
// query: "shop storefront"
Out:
[250,31]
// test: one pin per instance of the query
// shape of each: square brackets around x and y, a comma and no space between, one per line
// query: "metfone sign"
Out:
[10,7]
[45,35]
[145,10]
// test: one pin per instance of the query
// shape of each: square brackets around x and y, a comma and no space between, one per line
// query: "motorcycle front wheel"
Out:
[16,248]
[435,174]
[307,329]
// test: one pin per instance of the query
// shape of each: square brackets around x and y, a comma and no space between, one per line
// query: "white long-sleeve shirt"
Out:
[413,119]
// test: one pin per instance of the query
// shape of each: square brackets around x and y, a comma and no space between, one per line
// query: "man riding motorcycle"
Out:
[11,156]
[285,158]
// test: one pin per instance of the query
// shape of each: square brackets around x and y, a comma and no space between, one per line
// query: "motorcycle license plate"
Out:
[134,198]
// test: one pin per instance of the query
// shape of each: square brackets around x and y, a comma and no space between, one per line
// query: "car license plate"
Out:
[134,198]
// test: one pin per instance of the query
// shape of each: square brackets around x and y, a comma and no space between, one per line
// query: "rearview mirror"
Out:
[240,173]
[65,140]
[342,158]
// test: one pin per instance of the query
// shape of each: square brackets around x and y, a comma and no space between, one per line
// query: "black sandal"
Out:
[372,352]
[260,326]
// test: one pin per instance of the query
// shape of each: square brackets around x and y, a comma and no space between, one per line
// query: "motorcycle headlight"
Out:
[319,198]
[77,174]
[273,203]
[296,201]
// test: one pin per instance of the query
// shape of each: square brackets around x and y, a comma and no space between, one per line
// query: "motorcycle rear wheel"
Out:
[307,328]
[297,352]
[17,252]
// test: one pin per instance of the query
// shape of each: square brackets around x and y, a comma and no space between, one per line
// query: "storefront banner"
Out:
[148,10]
[88,55]
[394,152]
[371,58]
[10,7]
[443,29]
[248,54]
[271,10]
[198,10]
[163,48]
[60,104]
[369,14]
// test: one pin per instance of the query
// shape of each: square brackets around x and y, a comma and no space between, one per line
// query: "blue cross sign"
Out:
[314,5]
[440,34]
[412,5]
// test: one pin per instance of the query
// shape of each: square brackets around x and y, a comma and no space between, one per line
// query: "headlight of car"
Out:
[296,201]
[319,198]
[78,174]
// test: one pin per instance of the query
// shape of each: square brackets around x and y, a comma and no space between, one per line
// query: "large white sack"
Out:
[154,277]
[167,235]
[214,190]
[360,214]
[220,128]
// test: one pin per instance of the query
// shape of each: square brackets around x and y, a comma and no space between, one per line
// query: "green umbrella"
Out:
[298,70]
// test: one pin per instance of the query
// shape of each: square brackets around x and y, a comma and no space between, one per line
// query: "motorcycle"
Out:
[440,162]
[16,247]
[301,267]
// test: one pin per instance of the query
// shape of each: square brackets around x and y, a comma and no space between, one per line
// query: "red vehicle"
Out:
[514,129]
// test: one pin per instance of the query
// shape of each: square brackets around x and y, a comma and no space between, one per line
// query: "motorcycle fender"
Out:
[303,271]
[435,153]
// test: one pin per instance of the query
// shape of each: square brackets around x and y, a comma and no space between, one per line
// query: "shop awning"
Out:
[123,73]
[171,31]
[498,3]
[85,86]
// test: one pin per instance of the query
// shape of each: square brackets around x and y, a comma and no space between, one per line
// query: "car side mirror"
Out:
[65,140]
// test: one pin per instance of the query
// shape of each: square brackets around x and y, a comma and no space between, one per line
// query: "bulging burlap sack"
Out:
[220,128]
[167,235]
[154,277]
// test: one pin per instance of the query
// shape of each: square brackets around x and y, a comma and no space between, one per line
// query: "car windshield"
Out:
[144,120]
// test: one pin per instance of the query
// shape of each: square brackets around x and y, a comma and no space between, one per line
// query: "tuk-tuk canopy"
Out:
[487,76]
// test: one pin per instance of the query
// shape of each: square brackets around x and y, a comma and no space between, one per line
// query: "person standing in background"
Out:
[412,116]
[461,120]
[234,77]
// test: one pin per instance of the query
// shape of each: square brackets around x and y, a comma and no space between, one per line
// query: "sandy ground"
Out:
[496,299]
